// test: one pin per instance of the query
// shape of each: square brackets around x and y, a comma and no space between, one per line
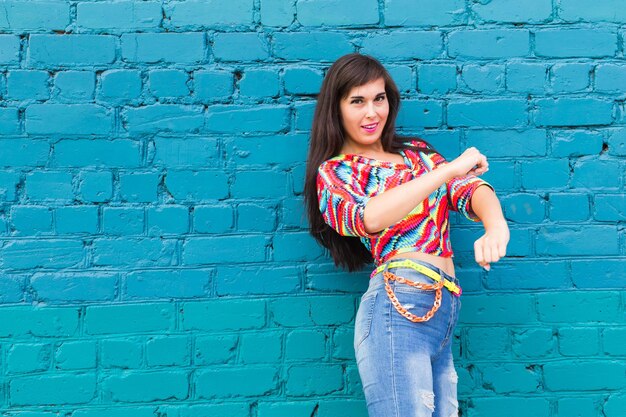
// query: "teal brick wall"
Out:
[154,257]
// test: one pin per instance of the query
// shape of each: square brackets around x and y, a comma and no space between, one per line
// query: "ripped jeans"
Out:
[406,368]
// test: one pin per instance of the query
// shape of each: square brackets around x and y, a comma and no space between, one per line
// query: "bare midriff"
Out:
[445,264]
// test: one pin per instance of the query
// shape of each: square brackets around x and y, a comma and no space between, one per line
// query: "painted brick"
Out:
[210,250]
[348,408]
[64,287]
[498,308]
[20,16]
[482,78]
[133,252]
[23,152]
[511,378]
[578,307]
[146,386]
[569,207]
[343,344]
[167,220]
[524,208]
[601,375]
[213,219]
[566,43]
[564,241]
[283,150]
[75,355]
[240,119]
[573,112]
[259,184]
[298,246]
[525,77]
[9,49]
[509,143]
[96,187]
[213,13]
[27,85]
[213,85]
[115,412]
[306,380]
[164,118]
[278,409]
[436,79]
[277,12]
[533,343]
[129,318]
[107,153]
[264,347]
[292,214]
[70,50]
[418,114]
[213,350]
[48,186]
[488,113]
[318,46]
[515,406]
[121,353]
[424,12]
[236,382]
[610,77]
[610,207]
[74,86]
[168,83]
[28,357]
[402,76]
[226,314]
[256,280]
[588,11]
[576,143]
[197,185]
[252,217]
[9,122]
[122,220]
[74,119]
[302,81]
[617,142]
[39,322]
[31,220]
[570,77]
[51,254]
[485,342]
[578,341]
[336,13]
[305,345]
[532,276]
[237,47]
[304,116]
[593,274]
[119,86]
[168,351]
[404,45]
[535,11]
[576,407]
[121,15]
[615,405]
[182,48]
[139,187]
[545,174]
[174,152]
[493,43]
[171,284]
[259,83]
[12,288]
[613,340]
[597,174]
[296,312]
[53,389]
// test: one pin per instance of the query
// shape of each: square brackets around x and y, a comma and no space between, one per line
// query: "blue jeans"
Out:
[406,368]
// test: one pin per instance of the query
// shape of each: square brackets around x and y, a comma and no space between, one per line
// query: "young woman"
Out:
[374,195]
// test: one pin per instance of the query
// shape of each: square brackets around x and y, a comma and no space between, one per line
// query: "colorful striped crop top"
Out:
[345,184]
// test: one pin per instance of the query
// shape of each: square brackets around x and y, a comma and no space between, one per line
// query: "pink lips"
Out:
[370,128]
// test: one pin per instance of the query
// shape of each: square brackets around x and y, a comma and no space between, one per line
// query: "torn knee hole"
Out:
[428,398]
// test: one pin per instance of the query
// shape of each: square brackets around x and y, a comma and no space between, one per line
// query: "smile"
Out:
[370,128]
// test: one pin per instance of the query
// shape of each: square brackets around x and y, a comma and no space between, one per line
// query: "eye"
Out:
[356,101]
[380,98]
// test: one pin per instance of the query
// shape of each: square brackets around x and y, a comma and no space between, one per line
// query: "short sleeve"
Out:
[460,191]
[342,205]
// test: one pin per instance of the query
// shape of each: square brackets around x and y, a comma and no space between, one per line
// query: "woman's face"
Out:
[364,113]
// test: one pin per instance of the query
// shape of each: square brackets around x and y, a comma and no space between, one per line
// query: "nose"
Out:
[371,110]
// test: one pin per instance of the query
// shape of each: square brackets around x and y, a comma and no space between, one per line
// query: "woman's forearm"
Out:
[487,207]
[396,203]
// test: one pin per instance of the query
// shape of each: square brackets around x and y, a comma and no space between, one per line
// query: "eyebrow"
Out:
[377,95]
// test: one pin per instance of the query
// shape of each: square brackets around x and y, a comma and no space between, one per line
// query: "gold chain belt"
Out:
[440,283]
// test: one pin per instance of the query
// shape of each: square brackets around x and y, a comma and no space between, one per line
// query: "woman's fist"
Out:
[470,162]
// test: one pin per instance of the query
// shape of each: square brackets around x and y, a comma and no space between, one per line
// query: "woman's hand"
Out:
[491,246]
[470,162]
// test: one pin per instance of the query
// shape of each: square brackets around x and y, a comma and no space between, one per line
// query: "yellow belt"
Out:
[407,263]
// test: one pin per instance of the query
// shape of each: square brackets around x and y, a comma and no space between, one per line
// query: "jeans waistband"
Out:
[450,282]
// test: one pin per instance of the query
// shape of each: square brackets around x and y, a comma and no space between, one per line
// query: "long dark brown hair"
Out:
[327,138]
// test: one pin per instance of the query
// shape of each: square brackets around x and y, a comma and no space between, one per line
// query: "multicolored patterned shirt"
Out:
[345,184]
